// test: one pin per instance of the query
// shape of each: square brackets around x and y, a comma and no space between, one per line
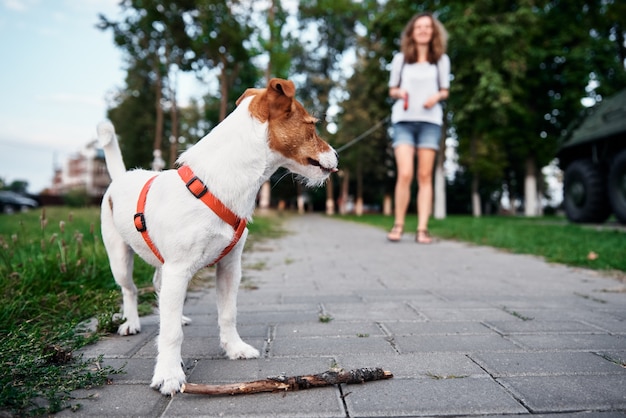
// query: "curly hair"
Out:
[438,43]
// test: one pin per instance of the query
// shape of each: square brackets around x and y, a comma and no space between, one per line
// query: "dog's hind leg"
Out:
[168,372]
[121,262]
[227,283]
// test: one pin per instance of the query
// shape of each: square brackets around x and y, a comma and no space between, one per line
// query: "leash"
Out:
[199,190]
[364,134]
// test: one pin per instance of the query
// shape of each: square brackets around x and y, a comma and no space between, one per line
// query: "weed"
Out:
[334,366]
[615,360]
[248,284]
[259,265]
[444,376]
[325,318]
[517,314]
[590,297]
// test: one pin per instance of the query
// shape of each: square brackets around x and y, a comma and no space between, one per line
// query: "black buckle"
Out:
[140,222]
[201,192]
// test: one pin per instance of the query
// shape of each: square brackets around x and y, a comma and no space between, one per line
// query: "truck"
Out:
[593,160]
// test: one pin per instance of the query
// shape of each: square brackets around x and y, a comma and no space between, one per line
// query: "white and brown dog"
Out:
[183,220]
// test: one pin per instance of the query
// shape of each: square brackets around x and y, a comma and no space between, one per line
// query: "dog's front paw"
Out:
[168,383]
[240,350]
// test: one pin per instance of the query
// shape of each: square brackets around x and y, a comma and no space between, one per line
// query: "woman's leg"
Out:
[405,155]
[425,165]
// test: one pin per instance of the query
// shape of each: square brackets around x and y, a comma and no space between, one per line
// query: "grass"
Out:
[553,238]
[54,274]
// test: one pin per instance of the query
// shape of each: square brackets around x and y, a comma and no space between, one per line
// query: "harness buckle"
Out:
[140,222]
[197,189]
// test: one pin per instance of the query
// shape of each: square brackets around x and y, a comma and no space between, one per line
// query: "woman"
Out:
[419,81]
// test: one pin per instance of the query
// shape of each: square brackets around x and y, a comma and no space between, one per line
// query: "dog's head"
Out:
[291,131]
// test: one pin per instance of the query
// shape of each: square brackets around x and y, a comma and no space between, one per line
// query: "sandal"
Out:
[423,237]
[395,234]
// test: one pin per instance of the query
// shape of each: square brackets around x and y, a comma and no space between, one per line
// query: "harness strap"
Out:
[198,189]
[140,219]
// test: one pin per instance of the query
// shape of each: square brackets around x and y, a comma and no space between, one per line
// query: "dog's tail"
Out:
[112,153]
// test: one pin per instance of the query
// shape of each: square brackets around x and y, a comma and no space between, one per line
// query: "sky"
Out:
[56,70]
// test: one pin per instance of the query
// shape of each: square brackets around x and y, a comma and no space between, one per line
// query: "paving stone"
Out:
[586,342]
[452,314]
[135,370]
[329,346]
[436,328]
[538,326]
[453,343]
[118,401]
[543,394]
[333,328]
[321,402]
[423,397]
[374,311]
[546,364]
[116,346]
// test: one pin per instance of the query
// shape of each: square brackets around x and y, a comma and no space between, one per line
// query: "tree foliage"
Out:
[520,69]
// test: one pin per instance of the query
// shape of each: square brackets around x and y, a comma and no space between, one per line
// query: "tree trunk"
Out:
[387,205]
[440,178]
[265,196]
[476,208]
[300,199]
[530,188]
[266,189]
[330,200]
[345,192]
[174,117]
[223,92]
[358,204]
[158,130]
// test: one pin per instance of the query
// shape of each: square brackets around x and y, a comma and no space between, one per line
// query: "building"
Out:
[83,171]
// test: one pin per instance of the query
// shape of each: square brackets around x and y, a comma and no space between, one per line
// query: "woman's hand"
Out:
[398,93]
[435,98]
[432,100]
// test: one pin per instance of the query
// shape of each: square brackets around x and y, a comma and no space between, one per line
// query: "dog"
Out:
[184,219]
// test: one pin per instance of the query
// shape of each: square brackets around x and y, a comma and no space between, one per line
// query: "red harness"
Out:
[199,191]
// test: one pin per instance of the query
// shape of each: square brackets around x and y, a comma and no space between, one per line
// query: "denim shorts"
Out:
[418,134]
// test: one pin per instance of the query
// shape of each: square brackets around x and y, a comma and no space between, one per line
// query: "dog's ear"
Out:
[284,87]
[249,92]
[281,95]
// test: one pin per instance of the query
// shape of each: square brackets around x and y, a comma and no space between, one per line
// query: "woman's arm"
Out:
[397,93]
[436,98]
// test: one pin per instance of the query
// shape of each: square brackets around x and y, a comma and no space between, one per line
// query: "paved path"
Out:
[466,331]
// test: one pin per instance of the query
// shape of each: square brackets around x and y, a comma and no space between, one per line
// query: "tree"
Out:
[134,124]
[220,31]
[153,35]
[320,61]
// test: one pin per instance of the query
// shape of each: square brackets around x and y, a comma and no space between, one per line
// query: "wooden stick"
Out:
[284,383]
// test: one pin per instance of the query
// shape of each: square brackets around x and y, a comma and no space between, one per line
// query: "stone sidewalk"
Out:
[466,331]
